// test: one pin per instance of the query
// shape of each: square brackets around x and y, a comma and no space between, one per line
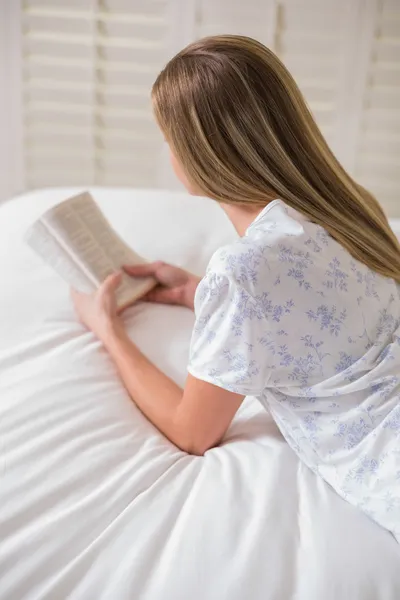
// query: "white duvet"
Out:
[96,504]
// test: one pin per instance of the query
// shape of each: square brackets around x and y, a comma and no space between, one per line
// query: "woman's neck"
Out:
[241,216]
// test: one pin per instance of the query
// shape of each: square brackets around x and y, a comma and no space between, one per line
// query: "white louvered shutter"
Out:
[253,18]
[377,155]
[88,66]
[88,70]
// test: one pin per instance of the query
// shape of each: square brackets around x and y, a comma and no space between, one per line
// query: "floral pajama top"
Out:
[287,315]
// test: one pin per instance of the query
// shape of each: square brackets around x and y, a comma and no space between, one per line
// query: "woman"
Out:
[303,310]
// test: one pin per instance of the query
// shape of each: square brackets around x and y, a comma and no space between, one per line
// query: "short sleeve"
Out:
[224,342]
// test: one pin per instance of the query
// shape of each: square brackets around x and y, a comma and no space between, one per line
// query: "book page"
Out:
[48,248]
[117,251]
[73,233]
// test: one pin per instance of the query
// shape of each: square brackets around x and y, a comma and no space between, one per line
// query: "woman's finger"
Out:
[163,295]
[146,270]
[76,294]
[111,282]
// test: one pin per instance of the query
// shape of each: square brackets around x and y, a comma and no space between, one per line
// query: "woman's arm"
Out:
[194,419]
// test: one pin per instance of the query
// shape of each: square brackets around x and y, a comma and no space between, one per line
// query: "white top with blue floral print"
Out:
[287,315]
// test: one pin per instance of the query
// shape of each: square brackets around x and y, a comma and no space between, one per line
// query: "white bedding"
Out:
[95,503]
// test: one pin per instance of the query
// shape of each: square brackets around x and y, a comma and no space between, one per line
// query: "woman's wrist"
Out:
[112,330]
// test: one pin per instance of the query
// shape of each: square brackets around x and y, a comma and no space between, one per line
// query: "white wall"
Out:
[11,125]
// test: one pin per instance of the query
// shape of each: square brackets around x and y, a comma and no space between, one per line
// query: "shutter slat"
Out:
[56,47]
[64,99]
[78,6]
[141,28]
[43,25]
[249,18]
[54,74]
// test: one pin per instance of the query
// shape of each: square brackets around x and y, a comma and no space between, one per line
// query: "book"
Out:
[78,242]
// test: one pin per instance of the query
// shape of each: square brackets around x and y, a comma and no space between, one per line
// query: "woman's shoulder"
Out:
[246,263]
[265,242]
[278,235]
[279,249]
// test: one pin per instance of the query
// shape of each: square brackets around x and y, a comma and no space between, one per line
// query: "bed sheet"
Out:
[97,504]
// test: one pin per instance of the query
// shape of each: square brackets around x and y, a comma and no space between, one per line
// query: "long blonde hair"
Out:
[239,125]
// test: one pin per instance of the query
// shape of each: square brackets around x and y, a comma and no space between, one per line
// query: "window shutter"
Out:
[312,53]
[88,70]
[88,66]
[377,164]
[252,18]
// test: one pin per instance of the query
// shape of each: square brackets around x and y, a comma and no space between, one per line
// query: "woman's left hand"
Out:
[98,311]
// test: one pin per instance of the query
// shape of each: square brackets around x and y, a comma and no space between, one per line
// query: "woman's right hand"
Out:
[175,285]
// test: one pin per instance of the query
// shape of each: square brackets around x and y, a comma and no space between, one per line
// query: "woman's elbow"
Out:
[192,439]
[197,447]
[195,450]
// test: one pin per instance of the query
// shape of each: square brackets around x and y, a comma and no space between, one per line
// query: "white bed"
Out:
[95,504]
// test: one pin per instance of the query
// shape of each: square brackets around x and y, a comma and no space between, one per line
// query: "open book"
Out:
[76,240]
